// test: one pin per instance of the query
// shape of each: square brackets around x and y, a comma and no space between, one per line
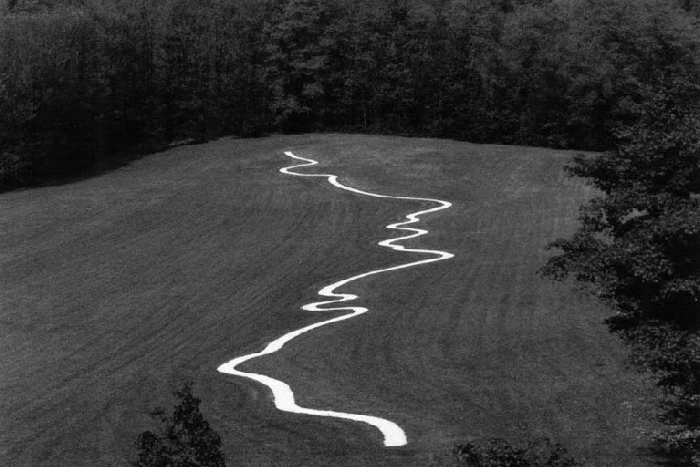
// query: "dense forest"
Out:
[84,80]
[84,83]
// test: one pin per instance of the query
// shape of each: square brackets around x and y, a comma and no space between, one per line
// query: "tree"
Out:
[573,71]
[185,439]
[638,245]
[638,248]
[297,61]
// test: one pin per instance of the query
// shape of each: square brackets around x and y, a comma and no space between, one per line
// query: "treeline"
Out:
[82,80]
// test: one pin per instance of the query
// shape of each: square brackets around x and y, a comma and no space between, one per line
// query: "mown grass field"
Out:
[117,289]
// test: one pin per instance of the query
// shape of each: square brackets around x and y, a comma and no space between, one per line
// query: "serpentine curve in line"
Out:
[283,395]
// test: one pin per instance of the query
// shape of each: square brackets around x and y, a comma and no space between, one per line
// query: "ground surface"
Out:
[116,289]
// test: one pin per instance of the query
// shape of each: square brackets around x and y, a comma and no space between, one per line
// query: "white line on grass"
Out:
[283,395]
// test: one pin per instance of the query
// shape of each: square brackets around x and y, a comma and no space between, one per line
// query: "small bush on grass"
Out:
[184,439]
[497,452]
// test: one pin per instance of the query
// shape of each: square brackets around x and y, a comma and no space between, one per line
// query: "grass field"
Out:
[117,289]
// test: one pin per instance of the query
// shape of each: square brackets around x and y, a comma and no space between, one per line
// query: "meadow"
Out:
[116,289]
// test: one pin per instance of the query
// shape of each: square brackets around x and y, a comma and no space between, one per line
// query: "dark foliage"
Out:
[497,452]
[184,439]
[83,81]
[639,245]
[638,248]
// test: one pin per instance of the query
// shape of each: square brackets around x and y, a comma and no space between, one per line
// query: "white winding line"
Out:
[283,395]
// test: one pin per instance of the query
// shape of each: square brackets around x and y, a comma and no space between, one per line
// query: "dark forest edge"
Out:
[84,80]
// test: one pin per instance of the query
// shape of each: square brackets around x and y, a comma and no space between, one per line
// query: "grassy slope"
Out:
[116,289]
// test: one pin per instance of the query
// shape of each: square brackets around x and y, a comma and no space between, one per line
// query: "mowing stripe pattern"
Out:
[282,393]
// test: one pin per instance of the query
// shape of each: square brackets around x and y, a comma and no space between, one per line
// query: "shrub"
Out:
[184,439]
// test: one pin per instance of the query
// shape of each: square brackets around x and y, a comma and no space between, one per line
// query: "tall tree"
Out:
[638,248]
[297,54]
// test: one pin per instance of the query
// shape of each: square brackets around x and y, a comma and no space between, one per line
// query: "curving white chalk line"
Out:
[283,395]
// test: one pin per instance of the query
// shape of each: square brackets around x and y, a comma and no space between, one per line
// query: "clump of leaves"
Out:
[184,438]
[497,452]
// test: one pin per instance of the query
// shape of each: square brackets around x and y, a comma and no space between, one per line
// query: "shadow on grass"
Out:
[104,164]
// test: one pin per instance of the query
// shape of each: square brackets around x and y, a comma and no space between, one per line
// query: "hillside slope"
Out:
[116,289]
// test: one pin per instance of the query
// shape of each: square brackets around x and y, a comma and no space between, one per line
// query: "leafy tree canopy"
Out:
[638,248]
[639,245]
